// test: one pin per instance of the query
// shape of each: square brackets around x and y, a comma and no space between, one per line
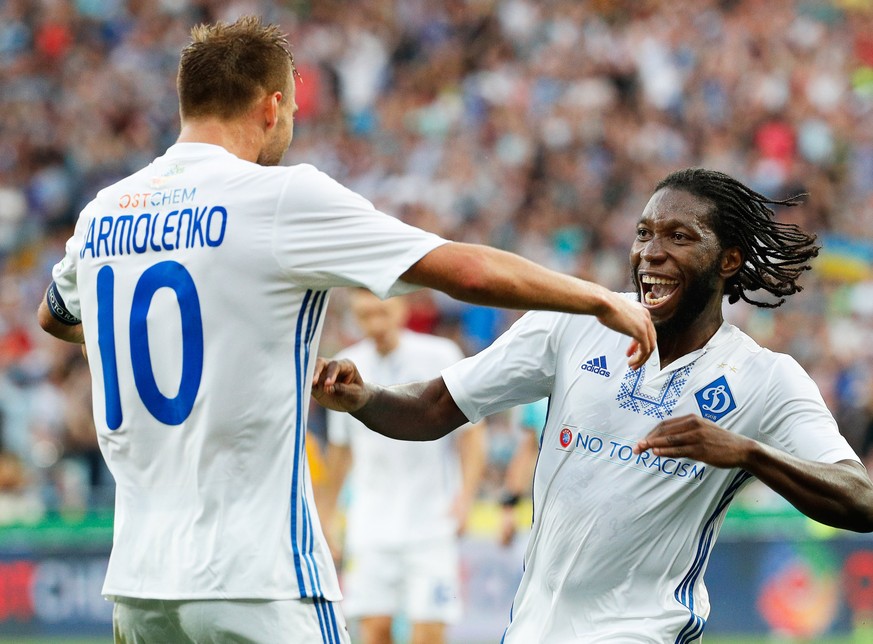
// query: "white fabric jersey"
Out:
[401,491]
[201,282]
[620,542]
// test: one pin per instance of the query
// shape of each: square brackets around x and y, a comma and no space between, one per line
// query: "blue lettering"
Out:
[171,411]
[591,443]
[154,227]
[624,453]
[185,212]
[89,240]
[197,226]
[123,230]
[143,218]
[103,234]
[168,229]
[164,198]
[217,241]
[153,231]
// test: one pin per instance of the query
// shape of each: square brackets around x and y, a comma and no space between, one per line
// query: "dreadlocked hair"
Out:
[774,253]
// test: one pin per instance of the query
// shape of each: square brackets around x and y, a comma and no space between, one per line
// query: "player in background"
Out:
[408,502]
[199,286]
[520,469]
[637,468]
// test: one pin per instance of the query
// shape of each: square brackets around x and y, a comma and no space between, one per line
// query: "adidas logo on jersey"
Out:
[597,365]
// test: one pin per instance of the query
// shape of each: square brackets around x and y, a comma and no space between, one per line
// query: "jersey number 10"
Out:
[172,275]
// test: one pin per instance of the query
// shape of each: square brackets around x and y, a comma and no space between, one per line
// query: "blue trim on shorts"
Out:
[327,621]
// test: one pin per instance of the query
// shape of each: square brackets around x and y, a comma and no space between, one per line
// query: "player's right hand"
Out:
[631,318]
[337,385]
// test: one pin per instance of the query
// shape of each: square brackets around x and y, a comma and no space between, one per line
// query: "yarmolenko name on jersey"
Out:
[605,447]
[191,227]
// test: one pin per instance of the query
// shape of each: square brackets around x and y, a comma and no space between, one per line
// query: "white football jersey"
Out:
[620,542]
[201,282]
[401,492]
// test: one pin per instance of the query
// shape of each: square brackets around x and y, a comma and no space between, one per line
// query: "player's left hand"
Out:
[697,439]
[337,385]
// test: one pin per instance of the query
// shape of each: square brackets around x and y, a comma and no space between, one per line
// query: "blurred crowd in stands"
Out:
[540,126]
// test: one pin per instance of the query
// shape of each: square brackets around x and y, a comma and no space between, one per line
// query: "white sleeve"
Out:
[519,367]
[326,235]
[796,418]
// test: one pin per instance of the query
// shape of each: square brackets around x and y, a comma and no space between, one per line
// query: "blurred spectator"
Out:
[540,127]
[518,481]
[18,501]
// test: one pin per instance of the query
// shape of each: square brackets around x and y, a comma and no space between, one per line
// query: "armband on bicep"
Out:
[58,308]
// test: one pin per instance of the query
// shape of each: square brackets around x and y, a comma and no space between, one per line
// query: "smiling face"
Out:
[679,267]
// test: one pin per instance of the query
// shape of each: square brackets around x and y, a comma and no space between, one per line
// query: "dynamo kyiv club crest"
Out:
[715,399]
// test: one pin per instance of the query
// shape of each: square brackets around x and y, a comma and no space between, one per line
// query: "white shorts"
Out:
[421,581]
[214,621]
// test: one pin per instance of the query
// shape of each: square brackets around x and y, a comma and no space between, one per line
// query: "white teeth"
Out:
[651,299]
[653,281]
[650,279]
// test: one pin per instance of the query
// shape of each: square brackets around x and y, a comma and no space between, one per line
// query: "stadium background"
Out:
[540,127]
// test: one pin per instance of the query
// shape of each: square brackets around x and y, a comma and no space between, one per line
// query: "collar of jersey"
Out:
[653,370]
[190,149]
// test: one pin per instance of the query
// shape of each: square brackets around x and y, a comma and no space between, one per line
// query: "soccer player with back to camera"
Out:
[637,467]
[198,286]
[408,502]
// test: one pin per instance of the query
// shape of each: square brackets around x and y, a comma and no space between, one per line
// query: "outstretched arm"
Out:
[420,411]
[488,276]
[837,494]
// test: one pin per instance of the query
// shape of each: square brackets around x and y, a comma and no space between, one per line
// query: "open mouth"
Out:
[656,290]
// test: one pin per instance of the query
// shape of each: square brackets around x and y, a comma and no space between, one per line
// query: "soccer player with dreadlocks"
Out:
[637,468]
